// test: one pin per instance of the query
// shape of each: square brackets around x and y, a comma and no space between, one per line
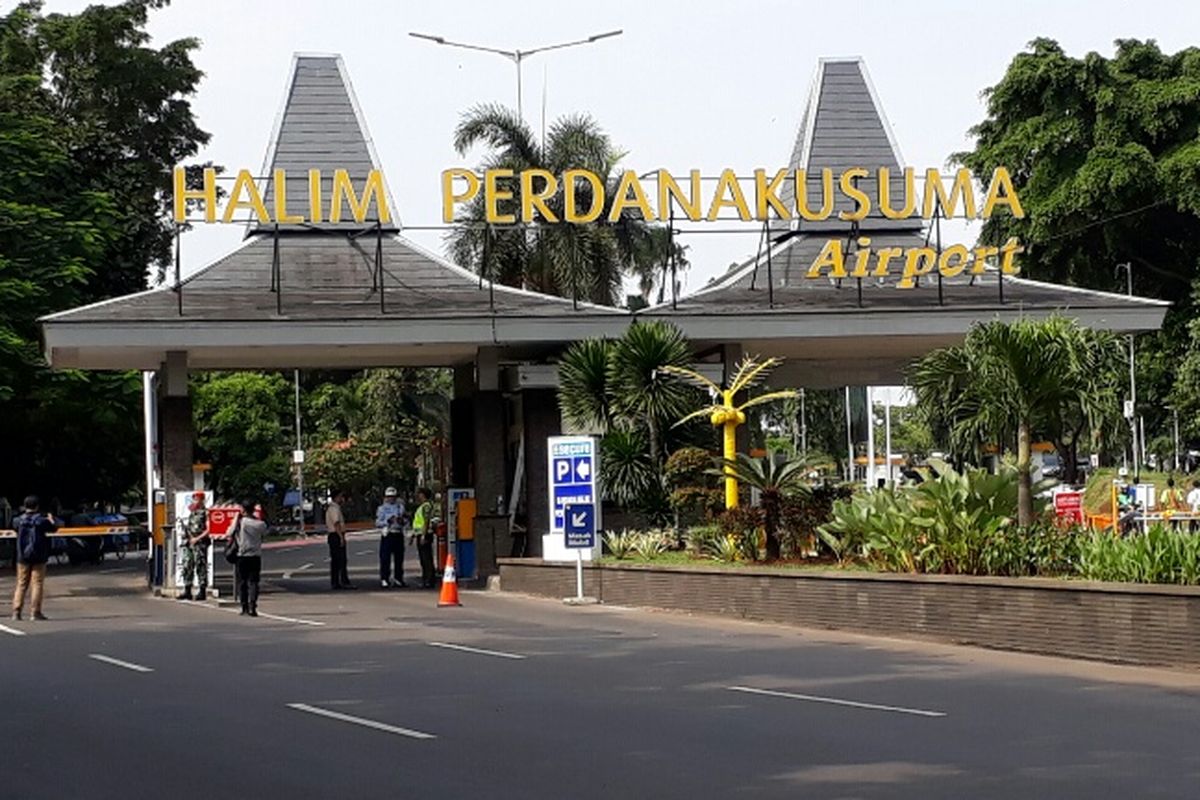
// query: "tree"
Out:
[92,122]
[584,262]
[1106,161]
[621,389]
[241,421]
[1008,382]
[775,481]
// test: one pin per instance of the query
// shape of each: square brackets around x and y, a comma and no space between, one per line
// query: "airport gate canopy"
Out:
[326,277]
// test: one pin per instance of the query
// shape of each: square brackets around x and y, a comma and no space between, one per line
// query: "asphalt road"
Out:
[379,694]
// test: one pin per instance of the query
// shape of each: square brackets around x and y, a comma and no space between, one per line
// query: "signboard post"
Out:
[573,463]
[1068,507]
[579,534]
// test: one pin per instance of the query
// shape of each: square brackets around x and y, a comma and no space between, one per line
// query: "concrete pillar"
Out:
[462,426]
[541,420]
[490,468]
[176,432]
[732,355]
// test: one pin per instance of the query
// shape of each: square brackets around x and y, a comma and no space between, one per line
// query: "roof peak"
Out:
[321,126]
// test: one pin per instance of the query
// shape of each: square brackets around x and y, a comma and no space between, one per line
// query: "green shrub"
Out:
[728,548]
[698,538]
[1161,555]
[619,545]
[686,467]
[957,524]
[802,514]
[652,543]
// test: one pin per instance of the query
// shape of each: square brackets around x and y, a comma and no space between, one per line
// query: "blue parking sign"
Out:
[573,463]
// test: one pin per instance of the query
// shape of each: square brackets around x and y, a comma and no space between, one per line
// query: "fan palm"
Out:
[583,262]
[728,415]
[1009,379]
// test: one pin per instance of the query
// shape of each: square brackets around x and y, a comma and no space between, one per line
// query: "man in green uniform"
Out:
[193,548]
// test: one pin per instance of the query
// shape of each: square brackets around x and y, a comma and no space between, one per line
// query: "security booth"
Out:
[327,279]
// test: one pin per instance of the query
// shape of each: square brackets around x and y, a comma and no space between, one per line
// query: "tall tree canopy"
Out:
[1105,155]
[585,262]
[92,121]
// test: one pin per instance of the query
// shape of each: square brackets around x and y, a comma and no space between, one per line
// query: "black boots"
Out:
[187,593]
[201,595]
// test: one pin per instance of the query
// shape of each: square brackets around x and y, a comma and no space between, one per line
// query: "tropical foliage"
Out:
[583,262]
[92,121]
[775,481]
[1010,382]
[1105,158]
[619,389]
[959,523]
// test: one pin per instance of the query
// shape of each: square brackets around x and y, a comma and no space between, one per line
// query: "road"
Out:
[379,693]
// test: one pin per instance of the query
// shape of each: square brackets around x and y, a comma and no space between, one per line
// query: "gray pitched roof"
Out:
[744,290]
[844,126]
[321,127]
[328,277]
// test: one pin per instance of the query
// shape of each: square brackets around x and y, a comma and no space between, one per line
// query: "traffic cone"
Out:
[449,585]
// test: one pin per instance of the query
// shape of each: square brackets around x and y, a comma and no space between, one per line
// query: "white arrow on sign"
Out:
[584,470]
[578,519]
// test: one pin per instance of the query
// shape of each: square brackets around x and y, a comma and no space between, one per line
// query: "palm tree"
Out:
[774,481]
[1011,380]
[728,415]
[623,384]
[583,262]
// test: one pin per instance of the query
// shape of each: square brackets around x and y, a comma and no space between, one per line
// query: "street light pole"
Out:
[1128,267]
[515,56]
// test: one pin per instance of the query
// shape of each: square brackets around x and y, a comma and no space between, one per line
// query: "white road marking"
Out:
[836,702]
[11,631]
[296,620]
[116,662]
[366,723]
[481,652]
[364,552]
[300,568]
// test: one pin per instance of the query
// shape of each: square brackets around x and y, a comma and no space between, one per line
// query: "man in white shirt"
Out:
[1193,501]
[335,524]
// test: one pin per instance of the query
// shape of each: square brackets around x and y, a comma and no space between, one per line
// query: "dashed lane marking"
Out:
[366,723]
[463,648]
[11,631]
[116,662]
[837,702]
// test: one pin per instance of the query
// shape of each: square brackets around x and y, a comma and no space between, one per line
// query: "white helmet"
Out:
[391,492]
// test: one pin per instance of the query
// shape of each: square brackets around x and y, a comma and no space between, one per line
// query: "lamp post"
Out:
[1128,267]
[515,56]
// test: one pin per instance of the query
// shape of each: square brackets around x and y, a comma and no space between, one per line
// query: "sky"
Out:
[702,85]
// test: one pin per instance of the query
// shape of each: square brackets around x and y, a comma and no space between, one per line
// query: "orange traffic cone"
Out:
[449,585]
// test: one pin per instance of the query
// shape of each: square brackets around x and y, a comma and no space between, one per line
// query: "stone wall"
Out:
[1129,623]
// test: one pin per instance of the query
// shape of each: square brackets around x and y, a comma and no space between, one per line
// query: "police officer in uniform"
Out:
[193,543]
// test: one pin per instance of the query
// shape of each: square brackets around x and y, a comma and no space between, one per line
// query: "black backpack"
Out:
[32,547]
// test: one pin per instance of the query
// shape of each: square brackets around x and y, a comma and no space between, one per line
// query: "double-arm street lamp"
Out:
[516,56]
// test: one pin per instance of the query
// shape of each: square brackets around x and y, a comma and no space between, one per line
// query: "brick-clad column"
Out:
[541,420]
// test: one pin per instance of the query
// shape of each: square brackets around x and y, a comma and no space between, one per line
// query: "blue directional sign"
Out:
[573,462]
[579,523]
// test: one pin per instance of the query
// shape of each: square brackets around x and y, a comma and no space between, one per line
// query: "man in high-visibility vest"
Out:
[423,536]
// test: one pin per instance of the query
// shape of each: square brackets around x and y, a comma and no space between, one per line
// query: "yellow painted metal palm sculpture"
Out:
[728,416]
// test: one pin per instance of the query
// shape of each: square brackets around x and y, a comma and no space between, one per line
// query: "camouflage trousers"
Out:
[195,565]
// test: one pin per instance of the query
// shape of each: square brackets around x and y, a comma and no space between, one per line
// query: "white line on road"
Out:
[836,702]
[296,620]
[366,723]
[364,552]
[312,622]
[116,662]
[481,652]
[11,631]
[300,568]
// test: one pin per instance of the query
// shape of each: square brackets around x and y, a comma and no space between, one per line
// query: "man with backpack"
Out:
[33,551]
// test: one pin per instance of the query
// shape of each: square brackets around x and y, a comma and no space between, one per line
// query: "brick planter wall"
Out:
[1130,623]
